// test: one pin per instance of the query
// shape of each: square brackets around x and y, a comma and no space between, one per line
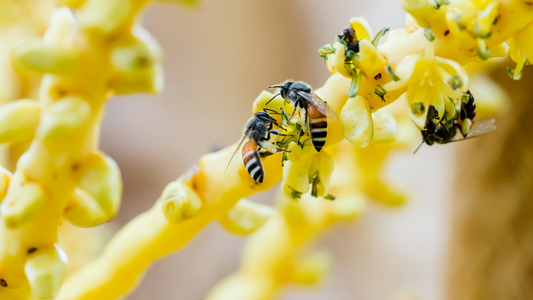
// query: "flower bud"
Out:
[23,202]
[34,55]
[18,120]
[46,270]
[179,202]
[246,217]
[357,121]
[64,118]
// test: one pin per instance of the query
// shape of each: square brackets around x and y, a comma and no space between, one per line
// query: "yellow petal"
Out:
[385,128]
[296,176]
[357,121]
[499,50]
[453,68]
[525,42]
[417,93]
[362,28]
[406,67]
[371,62]
[438,102]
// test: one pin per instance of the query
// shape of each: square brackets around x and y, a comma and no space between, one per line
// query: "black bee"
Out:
[258,131]
[349,39]
[441,131]
[302,97]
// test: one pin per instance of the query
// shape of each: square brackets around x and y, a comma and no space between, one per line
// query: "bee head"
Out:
[285,88]
[349,33]
[266,118]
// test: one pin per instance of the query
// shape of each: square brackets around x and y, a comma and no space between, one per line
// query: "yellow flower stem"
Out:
[151,236]
[278,254]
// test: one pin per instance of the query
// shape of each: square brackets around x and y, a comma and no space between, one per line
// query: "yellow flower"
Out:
[358,52]
[430,80]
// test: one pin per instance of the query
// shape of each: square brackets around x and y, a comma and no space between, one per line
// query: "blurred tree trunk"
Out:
[491,244]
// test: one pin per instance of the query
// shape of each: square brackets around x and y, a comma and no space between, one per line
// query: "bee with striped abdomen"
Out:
[258,132]
[314,110]
[443,131]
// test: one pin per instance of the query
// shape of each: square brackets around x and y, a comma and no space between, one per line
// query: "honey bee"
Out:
[314,110]
[349,39]
[441,131]
[258,132]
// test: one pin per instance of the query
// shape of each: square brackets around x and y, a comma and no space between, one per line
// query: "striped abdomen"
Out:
[318,127]
[252,161]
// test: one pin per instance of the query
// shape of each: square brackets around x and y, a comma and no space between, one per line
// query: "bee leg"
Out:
[305,123]
[296,105]
[268,146]
[265,154]
[277,133]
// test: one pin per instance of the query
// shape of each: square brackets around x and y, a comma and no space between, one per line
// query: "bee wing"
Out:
[478,128]
[481,127]
[236,151]
[318,103]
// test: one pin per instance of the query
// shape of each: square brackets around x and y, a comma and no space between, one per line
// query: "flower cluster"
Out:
[95,48]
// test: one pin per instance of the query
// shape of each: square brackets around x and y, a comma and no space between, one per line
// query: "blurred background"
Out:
[464,233]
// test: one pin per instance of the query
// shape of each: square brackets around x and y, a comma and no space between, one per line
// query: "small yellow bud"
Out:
[357,121]
[296,177]
[61,28]
[103,16]
[320,174]
[97,199]
[23,202]
[18,120]
[246,217]
[383,193]
[46,270]
[34,55]
[64,118]
[349,207]
[179,202]
[312,269]
[83,210]
[137,62]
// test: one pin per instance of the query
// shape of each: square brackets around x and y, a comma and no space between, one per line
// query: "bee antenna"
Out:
[273,98]
[271,111]
[423,141]
[419,147]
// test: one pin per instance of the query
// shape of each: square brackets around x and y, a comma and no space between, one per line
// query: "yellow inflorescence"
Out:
[93,49]
[62,174]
